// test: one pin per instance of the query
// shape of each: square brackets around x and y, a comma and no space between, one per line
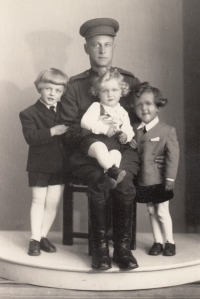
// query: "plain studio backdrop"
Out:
[156,42]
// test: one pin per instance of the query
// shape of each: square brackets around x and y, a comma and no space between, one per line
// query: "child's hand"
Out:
[58,130]
[112,130]
[106,120]
[122,137]
[133,143]
[169,185]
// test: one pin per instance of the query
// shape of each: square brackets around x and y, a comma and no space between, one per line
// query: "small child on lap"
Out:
[110,126]
[47,156]
[155,187]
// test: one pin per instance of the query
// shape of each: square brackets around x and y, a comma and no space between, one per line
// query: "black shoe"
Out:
[156,249]
[34,248]
[47,246]
[170,249]
[116,173]
[124,258]
[107,182]
[101,259]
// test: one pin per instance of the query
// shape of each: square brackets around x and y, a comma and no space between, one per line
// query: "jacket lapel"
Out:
[45,110]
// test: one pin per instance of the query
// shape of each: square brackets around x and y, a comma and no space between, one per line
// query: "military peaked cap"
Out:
[100,26]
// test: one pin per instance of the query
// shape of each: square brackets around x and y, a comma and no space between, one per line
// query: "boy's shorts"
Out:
[111,142]
[43,179]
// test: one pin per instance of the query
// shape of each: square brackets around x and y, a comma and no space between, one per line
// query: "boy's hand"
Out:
[133,143]
[58,130]
[169,185]
[122,137]
[112,130]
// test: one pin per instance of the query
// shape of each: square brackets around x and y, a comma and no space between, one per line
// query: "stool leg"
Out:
[68,216]
[133,239]
[89,232]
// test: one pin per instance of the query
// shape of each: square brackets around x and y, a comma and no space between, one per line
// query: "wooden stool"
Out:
[69,234]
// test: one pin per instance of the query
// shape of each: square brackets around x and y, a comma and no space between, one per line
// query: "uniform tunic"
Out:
[75,102]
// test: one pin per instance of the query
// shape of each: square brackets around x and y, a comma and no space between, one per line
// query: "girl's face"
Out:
[145,107]
[110,93]
[51,93]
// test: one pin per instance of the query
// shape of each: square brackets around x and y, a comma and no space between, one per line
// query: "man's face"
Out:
[100,50]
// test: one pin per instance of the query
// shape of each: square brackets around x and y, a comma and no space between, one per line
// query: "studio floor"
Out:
[67,273]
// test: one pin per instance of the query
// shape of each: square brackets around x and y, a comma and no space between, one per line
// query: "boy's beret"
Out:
[100,26]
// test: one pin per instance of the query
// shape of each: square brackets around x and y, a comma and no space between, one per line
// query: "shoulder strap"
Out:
[123,72]
[79,76]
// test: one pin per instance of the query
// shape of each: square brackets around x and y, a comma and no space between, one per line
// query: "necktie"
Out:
[52,108]
[144,129]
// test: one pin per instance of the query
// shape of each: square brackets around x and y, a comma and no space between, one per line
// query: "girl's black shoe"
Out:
[170,249]
[47,246]
[156,249]
[34,248]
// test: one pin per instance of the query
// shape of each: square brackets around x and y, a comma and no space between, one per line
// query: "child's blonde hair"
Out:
[53,76]
[107,76]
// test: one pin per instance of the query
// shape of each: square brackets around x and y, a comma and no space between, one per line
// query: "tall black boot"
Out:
[98,224]
[122,230]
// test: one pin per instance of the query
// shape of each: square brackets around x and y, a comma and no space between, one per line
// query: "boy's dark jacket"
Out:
[46,154]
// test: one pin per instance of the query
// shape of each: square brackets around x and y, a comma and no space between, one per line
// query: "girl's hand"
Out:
[169,185]
[133,143]
[122,137]
[58,130]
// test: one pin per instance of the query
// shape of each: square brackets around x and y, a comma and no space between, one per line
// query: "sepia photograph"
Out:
[100,149]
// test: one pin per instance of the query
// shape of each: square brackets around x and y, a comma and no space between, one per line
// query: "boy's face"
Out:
[110,93]
[146,108]
[51,93]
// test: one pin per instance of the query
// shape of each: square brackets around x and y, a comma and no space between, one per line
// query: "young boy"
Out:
[155,188]
[46,164]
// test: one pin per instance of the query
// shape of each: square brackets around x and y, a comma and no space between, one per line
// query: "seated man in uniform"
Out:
[100,35]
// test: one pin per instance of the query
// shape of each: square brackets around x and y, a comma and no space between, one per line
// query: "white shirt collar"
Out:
[149,125]
[109,109]
[48,106]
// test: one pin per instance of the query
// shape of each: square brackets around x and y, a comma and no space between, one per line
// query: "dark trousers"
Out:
[87,171]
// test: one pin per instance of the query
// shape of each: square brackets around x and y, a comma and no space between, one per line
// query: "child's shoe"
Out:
[116,173]
[34,248]
[106,182]
[156,249]
[170,249]
[47,246]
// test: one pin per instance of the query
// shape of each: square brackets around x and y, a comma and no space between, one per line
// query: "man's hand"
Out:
[122,137]
[161,161]
[133,143]
[58,130]
[169,185]
[112,130]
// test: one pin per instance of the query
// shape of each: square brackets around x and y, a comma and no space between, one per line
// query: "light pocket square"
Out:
[155,139]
